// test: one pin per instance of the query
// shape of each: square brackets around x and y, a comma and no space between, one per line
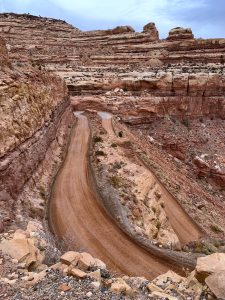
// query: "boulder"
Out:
[22,249]
[151,28]
[70,257]
[216,283]
[169,276]
[120,286]
[99,264]
[64,287]
[213,263]
[154,288]
[95,275]
[77,273]
[85,261]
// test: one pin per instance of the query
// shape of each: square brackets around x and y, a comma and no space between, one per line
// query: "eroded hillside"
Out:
[141,188]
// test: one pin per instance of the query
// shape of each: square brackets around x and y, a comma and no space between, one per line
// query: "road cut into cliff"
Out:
[77,216]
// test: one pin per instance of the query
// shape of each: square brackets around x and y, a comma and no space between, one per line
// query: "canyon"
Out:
[113,142]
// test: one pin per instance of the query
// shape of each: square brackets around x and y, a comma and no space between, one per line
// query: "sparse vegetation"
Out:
[42,192]
[120,134]
[100,153]
[117,165]
[116,181]
[216,228]
[97,139]
[158,224]
[114,145]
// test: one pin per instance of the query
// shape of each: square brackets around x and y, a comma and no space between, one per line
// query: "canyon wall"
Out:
[55,42]
[32,103]
[137,76]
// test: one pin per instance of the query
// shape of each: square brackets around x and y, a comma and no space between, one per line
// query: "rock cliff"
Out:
[32,103]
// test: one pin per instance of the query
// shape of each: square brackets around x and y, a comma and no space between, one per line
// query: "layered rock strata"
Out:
[32,104]
[63,44]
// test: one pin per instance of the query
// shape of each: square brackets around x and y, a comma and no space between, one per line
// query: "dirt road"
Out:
[182,224]
[76,214]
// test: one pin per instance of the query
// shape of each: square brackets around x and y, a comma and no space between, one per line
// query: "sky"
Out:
[205,17]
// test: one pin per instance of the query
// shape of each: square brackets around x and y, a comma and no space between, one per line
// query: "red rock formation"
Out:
[136,76]
[151,28]
[32,103]
[180,33]
[64,44]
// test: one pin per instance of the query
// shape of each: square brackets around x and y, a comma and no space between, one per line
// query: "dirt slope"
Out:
[182,224]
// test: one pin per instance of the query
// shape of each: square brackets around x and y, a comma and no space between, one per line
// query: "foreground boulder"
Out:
[83,261]
[22,249]
[211,264]
[120,286]
[216,283]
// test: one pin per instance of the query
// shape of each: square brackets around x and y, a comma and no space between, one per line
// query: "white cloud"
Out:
[130,11]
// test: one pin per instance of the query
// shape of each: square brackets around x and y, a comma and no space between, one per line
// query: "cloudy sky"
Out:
[205,17]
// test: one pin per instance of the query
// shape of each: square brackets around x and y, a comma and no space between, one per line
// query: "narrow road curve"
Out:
[182,224]
[76,215]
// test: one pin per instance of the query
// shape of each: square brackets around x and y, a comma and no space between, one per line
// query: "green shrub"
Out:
[97,139]
[117,165]
[158,225]
[42,192]
[114,145]
[116,181]
[216,228]
[120,134]
[100,153]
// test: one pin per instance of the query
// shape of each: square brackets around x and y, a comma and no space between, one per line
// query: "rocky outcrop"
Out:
[120,30]
[180,33]
[151,28]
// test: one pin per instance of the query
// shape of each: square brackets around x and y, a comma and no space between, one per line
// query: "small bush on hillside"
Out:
[216,228]
[116,181]
[117,165]
[97,139]
[114,145]
[120,134]
[42,192]
[100,153]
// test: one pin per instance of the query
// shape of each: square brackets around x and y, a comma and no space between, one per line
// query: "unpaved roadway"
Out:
[76,215]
